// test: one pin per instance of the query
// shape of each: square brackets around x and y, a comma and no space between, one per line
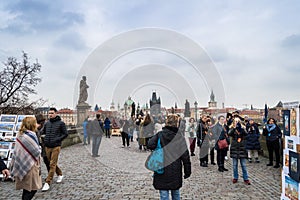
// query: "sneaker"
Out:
[250,160]
[247,182]
[46,187]
[192,154]
[234,180]
[59,179]
[213,163]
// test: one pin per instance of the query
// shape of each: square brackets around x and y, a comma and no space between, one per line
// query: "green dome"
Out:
[129,102]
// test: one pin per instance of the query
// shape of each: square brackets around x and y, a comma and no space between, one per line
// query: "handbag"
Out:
[223,144]
[155,161]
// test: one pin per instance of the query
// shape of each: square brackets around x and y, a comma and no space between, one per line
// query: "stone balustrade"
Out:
[74,137]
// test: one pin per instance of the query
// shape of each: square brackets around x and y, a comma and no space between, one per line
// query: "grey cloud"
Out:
[72,41]
[292,41]
[217,53]
[40,16]
[294,68]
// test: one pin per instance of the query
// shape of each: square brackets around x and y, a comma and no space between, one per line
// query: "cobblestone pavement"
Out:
[119,173]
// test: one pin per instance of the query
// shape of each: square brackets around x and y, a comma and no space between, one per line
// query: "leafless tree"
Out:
[17,81]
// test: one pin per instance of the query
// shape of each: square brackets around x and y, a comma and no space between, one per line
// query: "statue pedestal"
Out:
[82,112]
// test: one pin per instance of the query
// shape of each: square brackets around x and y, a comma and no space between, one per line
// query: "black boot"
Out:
[220,169]
[256,160]
[270,164]
[224,169]
[250,160]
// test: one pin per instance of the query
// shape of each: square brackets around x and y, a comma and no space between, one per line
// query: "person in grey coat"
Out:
[219,133]
[96,129]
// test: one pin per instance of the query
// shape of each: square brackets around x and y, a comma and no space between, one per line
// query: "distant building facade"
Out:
[68,116]
[276,112]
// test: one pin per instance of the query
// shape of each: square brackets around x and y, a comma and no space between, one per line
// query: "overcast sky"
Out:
[253,45]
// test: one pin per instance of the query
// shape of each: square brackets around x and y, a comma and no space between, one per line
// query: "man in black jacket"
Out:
[55,131]
[4,169]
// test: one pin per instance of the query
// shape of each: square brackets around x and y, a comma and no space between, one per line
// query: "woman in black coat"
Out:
[202,140]
[252,141]
[176,154]
[238,150]
[273,136]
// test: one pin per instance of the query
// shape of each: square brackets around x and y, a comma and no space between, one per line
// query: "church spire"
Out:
[212,103]
[212,96]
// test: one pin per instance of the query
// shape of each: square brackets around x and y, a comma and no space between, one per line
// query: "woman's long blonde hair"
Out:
[28,123]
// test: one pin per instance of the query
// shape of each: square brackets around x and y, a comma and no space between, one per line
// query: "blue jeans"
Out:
[164,194]
[84,139]
[96,139]
[235,168]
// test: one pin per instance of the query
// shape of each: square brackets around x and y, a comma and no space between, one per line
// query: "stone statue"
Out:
[187,112]
[132,109]
[83,94]
[212,96]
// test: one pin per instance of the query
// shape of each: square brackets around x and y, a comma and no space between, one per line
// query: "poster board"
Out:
[291,151]
[8,119]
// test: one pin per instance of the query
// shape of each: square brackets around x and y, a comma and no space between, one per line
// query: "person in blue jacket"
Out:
[107,127]
[273,136]
[85,132]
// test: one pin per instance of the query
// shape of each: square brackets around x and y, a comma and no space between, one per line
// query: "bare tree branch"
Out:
[17,82]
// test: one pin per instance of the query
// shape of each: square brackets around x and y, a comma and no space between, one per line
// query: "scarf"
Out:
[26,154]
[270,127]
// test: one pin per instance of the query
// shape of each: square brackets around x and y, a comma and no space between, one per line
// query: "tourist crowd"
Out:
[40,140]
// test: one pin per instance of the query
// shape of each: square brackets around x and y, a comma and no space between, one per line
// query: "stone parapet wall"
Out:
[73,137]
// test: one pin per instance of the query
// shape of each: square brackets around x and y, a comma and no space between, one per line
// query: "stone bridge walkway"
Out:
[119,173]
